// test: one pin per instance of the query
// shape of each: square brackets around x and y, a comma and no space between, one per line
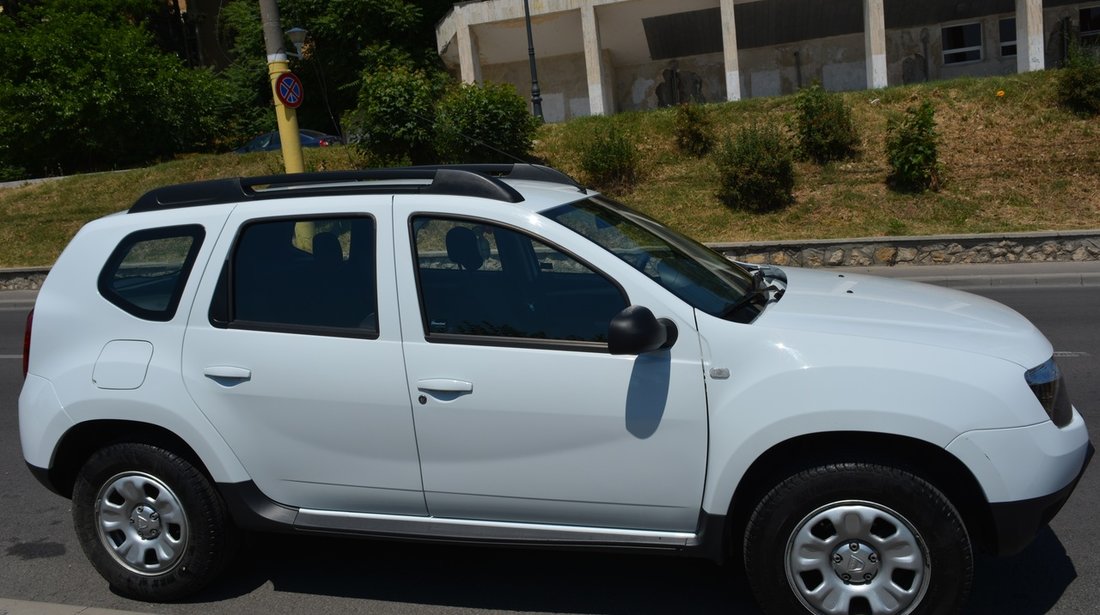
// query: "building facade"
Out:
[597,57]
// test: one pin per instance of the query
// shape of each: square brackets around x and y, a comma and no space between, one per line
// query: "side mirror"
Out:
[635,330]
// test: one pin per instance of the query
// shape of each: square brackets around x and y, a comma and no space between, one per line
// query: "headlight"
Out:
[1050,389]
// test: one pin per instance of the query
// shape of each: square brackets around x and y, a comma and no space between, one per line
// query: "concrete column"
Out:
[599,83]
[729,48]
[1030,51]
[469,64]
[874,37]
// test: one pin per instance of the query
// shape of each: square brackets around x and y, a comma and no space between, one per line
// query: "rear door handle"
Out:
[445,385]
[227,372]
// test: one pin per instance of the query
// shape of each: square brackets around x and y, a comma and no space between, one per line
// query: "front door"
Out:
[521,413]
[297,358]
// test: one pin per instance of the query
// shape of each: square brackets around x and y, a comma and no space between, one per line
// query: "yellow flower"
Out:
[1000,93]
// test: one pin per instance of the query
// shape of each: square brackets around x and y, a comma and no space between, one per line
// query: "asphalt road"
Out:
[40,559]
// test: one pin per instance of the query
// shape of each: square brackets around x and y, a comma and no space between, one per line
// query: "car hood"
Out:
[870,306]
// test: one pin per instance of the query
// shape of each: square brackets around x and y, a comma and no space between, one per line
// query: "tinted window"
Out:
[485,280]
[314,276]
[146,273]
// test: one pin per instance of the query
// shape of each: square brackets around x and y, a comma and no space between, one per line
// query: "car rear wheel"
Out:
[857,539]
[150,522]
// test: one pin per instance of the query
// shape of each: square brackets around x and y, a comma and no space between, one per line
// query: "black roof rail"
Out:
[476,180]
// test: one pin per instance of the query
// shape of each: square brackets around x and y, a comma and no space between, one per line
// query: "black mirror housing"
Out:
[635,330]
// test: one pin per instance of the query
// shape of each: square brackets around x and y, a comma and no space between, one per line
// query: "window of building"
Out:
[1008,37]
[484,281]
[1090,21]
[328,289]
[146,273]
[962,43]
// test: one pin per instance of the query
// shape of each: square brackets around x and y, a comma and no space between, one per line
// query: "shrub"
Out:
[483,124]
[824,126]
[756,170]
[1079,82]
[609,160]
[694,134]
[393,123]
[912,150]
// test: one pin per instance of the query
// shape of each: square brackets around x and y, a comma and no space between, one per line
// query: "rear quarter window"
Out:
[147,271]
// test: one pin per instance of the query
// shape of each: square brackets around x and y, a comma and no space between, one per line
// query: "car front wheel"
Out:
[857,539]
[150,522]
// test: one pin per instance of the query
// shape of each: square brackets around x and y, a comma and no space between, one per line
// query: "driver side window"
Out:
[487,281]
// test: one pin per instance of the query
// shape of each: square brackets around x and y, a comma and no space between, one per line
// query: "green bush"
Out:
[756,170]
[609,160]
[487,123]
[694,134]
[1079,81]
[824,126]
[394,122]
[912,150]
[84,90]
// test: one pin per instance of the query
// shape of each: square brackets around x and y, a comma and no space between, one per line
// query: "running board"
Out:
[435,528]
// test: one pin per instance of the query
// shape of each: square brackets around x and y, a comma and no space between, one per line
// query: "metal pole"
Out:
[536,95]
[277,64]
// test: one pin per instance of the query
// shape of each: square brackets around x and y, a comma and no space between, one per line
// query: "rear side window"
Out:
[313,276]
[146,273]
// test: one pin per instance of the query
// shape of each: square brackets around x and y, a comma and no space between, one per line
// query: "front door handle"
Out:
[445,385]
[227,372]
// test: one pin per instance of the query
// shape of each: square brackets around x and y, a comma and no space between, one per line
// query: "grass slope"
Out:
[1013,163]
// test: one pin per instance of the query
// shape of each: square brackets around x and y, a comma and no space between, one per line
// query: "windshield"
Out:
[693,272]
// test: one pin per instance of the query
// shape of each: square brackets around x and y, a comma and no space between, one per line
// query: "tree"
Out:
[83,87]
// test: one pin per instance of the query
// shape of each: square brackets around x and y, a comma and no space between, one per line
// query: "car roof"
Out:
[536,187]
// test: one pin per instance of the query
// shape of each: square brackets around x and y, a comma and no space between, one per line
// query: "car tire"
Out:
[150,522]
[857,538]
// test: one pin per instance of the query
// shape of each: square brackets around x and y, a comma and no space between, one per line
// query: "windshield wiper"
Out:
[758,291]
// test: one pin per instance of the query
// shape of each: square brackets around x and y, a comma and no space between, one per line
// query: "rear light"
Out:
[323,143]
[27,342]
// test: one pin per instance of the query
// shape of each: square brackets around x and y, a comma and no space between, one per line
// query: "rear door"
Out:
[293,352]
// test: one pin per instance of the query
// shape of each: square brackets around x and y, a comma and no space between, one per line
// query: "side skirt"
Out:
[251,509]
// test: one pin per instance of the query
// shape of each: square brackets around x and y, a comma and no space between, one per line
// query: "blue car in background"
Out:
[269,141]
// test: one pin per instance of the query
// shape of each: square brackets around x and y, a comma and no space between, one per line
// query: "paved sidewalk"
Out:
[22,607]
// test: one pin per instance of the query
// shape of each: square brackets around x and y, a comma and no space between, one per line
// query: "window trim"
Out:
[196,232]
[980,48]
[493,340]
[224,285]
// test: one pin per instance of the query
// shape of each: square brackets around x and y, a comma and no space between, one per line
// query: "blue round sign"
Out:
[289,90]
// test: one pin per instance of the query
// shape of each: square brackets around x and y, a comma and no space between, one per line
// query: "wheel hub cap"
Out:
[855,563]
[857,557]
[146,522]
[141,523]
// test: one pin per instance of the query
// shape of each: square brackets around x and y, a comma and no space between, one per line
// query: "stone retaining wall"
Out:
[943,250]
[882,251]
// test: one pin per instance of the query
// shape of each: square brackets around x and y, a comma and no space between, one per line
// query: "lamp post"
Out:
[297,38]
[536,95]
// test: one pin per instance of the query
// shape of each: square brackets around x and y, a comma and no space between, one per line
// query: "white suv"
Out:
[493,354]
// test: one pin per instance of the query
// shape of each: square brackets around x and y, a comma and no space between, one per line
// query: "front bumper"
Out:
[1016,523]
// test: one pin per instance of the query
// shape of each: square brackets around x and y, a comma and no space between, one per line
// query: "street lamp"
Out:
[297,37]
[536,96]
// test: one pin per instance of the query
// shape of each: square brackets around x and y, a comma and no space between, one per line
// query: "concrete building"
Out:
[604,56]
